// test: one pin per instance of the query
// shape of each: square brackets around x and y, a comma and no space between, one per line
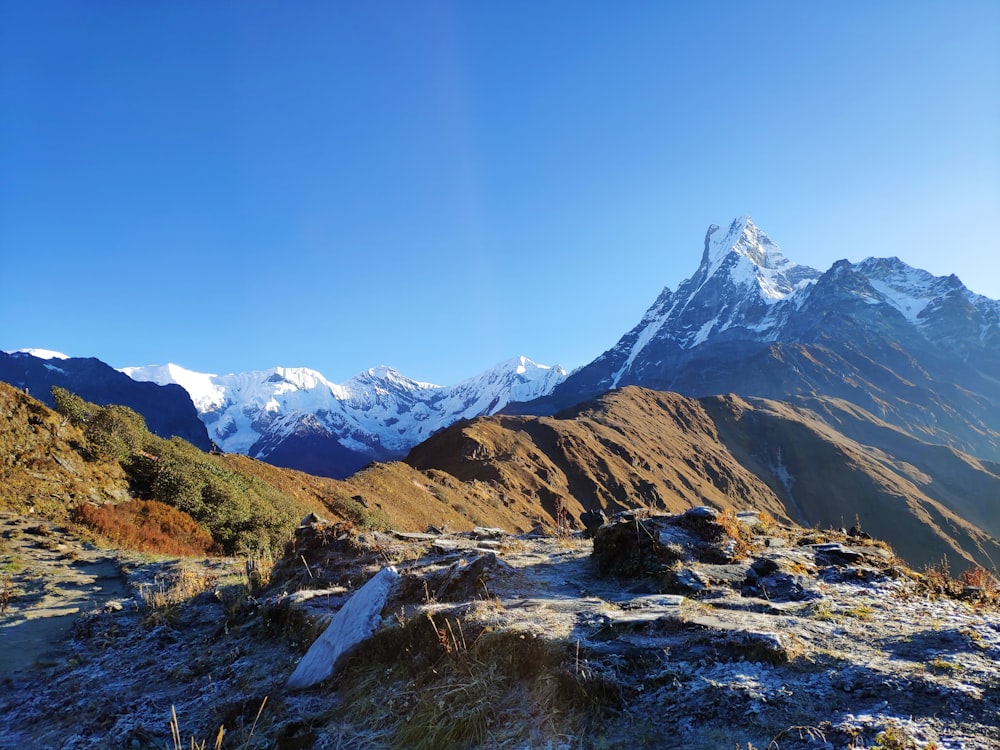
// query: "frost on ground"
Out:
[702,630]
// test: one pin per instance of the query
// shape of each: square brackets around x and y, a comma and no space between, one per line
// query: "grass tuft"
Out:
[457,683]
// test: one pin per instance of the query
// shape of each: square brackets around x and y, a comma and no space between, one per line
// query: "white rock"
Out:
[355,622]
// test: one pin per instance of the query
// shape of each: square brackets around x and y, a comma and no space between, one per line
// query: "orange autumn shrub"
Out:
[147,526]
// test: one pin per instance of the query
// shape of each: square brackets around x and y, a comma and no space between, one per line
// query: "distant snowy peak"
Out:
[297,378]
[522,368]
[517,379]
[912,291]
[379,412]
[385,380]
[40,353]
[749,258]
[205,393]
[741,283]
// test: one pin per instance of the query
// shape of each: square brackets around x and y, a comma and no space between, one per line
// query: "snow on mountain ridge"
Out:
[205,394]
[40,353]
[378,410]
[751,256]
[741,266]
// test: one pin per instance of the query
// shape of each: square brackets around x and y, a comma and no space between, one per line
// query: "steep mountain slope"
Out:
[928,500]
[43,466]
[919,351]
[167,409]
[637,447]
[295,417]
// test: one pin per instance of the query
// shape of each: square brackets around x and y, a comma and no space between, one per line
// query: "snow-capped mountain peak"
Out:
[751,259]
[40,353]
[205,394]
[742,279]
[909,290]
[791,324]
[377,414]
[385,377]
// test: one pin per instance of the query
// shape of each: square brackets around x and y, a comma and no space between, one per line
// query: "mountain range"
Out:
[294,417]
[870,390]
[918,351]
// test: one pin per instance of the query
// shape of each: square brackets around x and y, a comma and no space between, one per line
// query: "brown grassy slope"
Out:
[964,483]
[42,462]
[629,448]
[831,479]
[642,448]
[45,468]
[389,495]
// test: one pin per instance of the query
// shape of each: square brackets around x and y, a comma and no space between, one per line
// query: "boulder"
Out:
[355,622]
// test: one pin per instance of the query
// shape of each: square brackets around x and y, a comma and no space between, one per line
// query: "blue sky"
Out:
[441,186]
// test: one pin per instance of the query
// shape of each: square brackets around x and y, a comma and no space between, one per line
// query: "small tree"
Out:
[116,432]
[72,408]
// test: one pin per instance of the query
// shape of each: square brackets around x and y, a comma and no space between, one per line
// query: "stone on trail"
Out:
[355,622]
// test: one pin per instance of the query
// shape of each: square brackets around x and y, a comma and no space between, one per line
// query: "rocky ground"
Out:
[692,631]
[47,578]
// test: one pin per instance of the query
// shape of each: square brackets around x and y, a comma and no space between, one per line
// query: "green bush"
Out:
[244,515]
[72,408]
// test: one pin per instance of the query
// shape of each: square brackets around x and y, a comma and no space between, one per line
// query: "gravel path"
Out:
[47,578]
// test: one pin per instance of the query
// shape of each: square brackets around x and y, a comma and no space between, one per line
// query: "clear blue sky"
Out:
[441,186]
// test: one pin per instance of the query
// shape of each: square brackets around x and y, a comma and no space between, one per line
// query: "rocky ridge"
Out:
[665,452]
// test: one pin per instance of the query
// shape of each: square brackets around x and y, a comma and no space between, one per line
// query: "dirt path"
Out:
[47,578]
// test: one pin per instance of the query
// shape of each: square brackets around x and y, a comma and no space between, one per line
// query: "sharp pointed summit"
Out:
[746,254]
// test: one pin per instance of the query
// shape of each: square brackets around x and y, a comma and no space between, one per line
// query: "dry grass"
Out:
[740,533]
[163,598]
[243,744]
[975,583]
[452,682]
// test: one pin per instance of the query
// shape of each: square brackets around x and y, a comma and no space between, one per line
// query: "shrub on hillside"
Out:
[147,526]
[71,407]
[244,515]
[116,432]
[112,431]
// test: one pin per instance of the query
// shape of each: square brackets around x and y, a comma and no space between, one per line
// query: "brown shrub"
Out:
[979,578]
[147,526]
